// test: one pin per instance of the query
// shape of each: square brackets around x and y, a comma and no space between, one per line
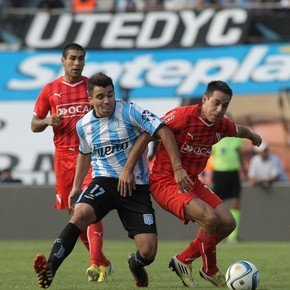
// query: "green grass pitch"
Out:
[16,272]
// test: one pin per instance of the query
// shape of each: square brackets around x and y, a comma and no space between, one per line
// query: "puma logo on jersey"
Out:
[190,135]
[100,234]
[57,95]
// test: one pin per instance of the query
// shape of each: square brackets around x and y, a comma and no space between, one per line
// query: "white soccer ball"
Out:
[242,275]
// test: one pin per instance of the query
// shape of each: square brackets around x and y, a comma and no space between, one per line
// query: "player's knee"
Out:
[146,245]
[82,218]
[229,226]
[210,219]
[148,251]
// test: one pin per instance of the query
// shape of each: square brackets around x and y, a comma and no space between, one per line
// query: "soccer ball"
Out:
[242,275]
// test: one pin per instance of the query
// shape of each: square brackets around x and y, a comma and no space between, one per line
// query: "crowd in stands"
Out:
[139,5]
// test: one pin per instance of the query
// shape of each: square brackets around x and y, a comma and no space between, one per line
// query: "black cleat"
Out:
[140,275]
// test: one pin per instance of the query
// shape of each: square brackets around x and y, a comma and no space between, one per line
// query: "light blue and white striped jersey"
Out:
[109,139]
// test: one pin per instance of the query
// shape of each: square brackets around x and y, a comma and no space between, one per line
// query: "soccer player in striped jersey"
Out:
[196,128]
[107,134]
[60,104]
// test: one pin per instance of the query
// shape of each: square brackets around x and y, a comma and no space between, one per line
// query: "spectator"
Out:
[6,177]
[83,5]
[51,4]
[124,5]
[265,167]
[16,3]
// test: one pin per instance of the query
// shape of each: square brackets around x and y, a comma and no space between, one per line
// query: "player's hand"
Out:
[54,120]
[73,196]
[126,183]
[256,139]
[184,182]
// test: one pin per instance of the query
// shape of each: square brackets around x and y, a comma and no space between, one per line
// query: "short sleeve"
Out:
[83,146]
[144,119]
[174,119]
[42,105]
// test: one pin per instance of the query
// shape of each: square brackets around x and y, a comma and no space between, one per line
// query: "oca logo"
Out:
[198,150]
[73,109]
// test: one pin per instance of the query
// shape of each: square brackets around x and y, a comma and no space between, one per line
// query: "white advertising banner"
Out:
[27,152]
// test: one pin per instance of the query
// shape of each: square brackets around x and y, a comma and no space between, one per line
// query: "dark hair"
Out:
[99,80]
[218,86]
[72,46]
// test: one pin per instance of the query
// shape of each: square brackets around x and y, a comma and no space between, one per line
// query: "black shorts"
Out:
[136,212]
[226,184]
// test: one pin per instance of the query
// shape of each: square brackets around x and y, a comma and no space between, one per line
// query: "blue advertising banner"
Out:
[249,69]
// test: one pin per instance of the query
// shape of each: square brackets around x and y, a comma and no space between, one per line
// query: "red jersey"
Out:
[194,137]
[70,101]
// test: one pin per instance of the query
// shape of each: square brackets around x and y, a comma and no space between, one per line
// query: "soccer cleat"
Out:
[44,273]
[218,279]
[182,270]
[105,271]
[93,273]
[140,275]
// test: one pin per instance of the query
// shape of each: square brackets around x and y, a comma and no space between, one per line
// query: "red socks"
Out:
[204,245]
[93,241]
[190,253]
[207,248]
[84,238]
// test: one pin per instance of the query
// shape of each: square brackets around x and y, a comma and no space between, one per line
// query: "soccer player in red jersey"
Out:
[196,128]
[60,104]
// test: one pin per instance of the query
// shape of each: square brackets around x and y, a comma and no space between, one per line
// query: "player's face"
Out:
[214,106]
[73,64]
[103,101]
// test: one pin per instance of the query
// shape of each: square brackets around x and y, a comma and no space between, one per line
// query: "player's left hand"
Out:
[126,183]
[184,182]
[73,196]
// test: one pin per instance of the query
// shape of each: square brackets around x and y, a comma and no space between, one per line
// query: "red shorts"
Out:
[64,168]
[166,193]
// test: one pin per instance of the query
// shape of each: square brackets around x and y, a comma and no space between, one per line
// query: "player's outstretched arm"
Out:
[244,132]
